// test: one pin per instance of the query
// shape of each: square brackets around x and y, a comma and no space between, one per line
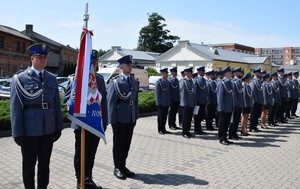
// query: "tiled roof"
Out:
[14,32]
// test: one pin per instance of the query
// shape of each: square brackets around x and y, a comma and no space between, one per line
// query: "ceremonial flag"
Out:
[85,99]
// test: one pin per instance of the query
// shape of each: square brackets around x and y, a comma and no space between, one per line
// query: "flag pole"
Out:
[82,155]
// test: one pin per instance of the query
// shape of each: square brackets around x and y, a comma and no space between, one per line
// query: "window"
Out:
[23,47]
[18,46]
[287,56]
[1,42]
[286,50]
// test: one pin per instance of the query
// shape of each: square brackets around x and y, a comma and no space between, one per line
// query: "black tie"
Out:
[41,77]
[128,80]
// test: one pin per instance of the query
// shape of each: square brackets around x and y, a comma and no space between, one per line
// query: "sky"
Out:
[256,23]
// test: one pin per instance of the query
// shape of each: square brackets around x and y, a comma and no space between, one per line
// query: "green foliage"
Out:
[154,37]
[4,115]
[152,72]
[101,52]
[147,102]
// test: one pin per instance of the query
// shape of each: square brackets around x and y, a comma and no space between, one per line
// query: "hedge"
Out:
[146,104]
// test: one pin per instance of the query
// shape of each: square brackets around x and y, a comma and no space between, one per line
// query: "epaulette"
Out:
[20,71]
[116,77]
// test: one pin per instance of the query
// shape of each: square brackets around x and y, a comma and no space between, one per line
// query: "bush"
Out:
[147,102]
[4,115]
[152,72]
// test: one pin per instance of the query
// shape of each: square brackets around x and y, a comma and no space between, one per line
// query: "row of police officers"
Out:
[229,97]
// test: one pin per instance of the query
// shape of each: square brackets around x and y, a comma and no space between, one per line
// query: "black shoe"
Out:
[167,132]
[211,129]
[253,130]
[161,132]
[224,142]
[173,128]
[290,117]
[200,133]
[119,174]
[295,115]
[234,137]
[128,173]
[186,136]
[90,184]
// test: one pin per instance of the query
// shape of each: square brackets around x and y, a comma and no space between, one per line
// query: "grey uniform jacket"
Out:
[282,87]
[122,100]
[174,89]
[162,92]
[267,93]
[247,96]
[296,87]
[276,91]
[257,94]
[291,86]
[27,90]
[212,92]
[187,93]
[200,90]
[237,93]
[225,96]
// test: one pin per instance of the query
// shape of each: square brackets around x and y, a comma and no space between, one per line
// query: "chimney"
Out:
[29,30]
[183,43]
[115,48]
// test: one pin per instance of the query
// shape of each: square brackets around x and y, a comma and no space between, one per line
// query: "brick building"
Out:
[234,47]
[282,55]
[13,51]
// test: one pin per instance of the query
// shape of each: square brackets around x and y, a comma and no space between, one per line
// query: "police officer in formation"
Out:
[162,96]
[295,104]
[292,95]
[174,98]
[247,104]
[201,99]
[187,101]
[36,117]
[267,99]
[283,97]
[180,110]
[122,114]
[237,103]
[91,140]
[225,105]
[276,100]
[211,107]
[257,95]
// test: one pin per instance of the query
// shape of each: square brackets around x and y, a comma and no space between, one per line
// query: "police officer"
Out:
[267,99]
[247,104]
[296,83]
[291,95]
[91,140]
[201,99]
[187,101]
[225,105]
[257,94]
[122,114]
[180,110]
[36,116]
[174,98]
[283,96]
[238,103]
[211,106]
[276,100]
[162,96]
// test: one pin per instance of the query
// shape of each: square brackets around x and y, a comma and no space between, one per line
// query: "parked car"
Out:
[5,91]
[3,81]
[152,80]
[62,88]
[61,79]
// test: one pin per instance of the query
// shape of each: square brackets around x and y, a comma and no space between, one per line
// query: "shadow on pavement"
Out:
[169,179]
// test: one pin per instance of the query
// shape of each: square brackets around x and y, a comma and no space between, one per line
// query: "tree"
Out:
[101,52]
[154,37]
[152,72]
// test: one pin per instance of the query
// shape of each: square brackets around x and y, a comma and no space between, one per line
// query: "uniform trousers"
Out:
[255,115]
[172,113]
[199,117]
[236,117]
[210,115]
[162,118]
[36,148]
[122,135]
[288,109]
[91,145]
[294,106]
[272,113]
[223,124]
[180,114]
[281,110]
[187,119]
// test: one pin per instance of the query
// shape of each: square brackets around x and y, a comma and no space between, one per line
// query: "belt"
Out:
[130,102]
[44,106]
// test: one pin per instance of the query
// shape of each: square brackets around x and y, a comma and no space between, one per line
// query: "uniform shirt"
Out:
[225,96]
[187,93]
[174,89]
[200,90]
[28,90]
[237,92]
[212,92]
[162,92]
[275,90]
[267,93]
[257,94]
[282,87]
[247,96]
[122,99]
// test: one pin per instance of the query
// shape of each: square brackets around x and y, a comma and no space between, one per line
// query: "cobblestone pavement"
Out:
[269,159]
